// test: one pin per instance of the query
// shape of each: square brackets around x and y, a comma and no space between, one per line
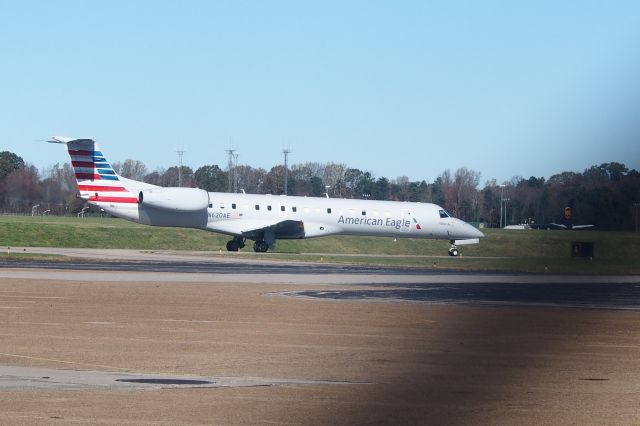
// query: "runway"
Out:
[386,283]
[156,341]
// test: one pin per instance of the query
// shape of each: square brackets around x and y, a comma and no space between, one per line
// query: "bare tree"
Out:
[21,189]
[334,174]
[58,189]
[401,188]
[133,169]
[250,179]
[466,193]
[274,181]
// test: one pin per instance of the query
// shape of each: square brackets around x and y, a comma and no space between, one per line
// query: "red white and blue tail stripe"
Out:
[96,179]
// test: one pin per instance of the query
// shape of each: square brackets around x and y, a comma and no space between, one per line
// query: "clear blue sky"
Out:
[396,88]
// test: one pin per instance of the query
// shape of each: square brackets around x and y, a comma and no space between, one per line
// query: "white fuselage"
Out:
[236,214]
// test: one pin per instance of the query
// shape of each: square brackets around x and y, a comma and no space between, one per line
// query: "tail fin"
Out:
[96,179]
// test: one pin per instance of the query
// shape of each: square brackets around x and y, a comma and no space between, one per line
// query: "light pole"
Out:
[505,200]
[636,206]
[501,198]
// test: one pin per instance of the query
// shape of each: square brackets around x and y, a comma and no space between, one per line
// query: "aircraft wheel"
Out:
[260,247]
[233,245]
[453,252]
[236,244]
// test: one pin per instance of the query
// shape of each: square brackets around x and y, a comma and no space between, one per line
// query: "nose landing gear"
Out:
[453,251]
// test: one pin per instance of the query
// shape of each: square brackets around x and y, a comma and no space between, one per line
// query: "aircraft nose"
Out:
[475,231]
[471,231]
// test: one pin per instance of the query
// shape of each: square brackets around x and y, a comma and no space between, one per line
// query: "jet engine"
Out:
[175,199]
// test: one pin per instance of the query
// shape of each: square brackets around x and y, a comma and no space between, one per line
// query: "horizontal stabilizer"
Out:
[65,140]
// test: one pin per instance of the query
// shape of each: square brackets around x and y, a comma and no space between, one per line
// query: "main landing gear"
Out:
[266,241]
[236,244]
[260,246]
[453,251]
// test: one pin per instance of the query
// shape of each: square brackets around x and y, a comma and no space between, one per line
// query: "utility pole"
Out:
[636,206]
[286,153]
[230,169]
[180,153]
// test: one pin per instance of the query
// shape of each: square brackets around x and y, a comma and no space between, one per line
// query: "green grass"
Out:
[514,251]
[31,256]
[101,233]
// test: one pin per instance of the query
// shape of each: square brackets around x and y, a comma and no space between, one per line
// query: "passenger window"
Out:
[294,209]
[257,207]
[329,210]
[210,205]
[364,213]
[269,208]
[282,208]
[233,206]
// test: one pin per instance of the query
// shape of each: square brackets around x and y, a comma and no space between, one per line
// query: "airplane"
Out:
[565,222]
[257,217]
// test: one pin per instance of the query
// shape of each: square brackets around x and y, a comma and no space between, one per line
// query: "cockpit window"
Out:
[444,214]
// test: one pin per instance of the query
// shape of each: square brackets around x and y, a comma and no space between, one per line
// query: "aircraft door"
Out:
[407,217]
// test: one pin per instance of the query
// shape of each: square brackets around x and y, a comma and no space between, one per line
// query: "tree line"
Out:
[603,195]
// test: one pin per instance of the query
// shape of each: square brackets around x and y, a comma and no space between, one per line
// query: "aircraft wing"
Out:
[558,225]
[554,225]
[256,229]
[284,229]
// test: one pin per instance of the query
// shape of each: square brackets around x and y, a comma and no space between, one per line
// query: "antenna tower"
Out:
[180,153]
[235,172]
[230,169]
[286,152]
